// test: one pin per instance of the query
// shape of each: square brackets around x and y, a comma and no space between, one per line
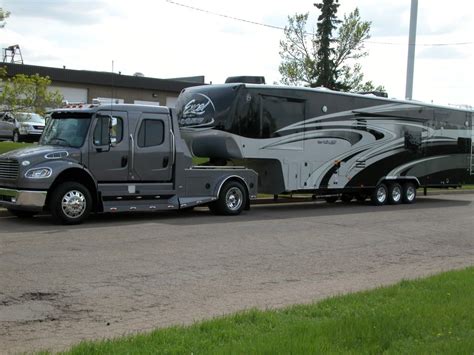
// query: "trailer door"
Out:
[152,149]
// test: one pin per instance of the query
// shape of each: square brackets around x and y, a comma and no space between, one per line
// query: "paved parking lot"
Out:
[120,274]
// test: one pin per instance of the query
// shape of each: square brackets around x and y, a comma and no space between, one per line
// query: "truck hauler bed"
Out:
[329,143]
[112,158]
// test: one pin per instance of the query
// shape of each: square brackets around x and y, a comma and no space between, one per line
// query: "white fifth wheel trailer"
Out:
[329,143]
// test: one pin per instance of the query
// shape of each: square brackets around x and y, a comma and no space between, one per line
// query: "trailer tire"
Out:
[380,195]
[70,203]
[409,193]
[232,199]
[395,193]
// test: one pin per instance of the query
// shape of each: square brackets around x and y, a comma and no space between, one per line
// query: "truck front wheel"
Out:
[71,203]
[232,199]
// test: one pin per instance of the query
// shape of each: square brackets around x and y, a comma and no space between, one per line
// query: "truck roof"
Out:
[92,108]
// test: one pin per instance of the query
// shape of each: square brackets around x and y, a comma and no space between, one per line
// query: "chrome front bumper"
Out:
[22,199]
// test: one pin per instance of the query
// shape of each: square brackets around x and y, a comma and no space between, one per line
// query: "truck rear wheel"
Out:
[379,195]
[409,192]
[232,199]
[71,203]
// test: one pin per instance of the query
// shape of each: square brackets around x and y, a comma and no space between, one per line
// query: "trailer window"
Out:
[278,113]
[151,133]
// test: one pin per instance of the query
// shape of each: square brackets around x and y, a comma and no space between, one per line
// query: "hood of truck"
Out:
[35,154]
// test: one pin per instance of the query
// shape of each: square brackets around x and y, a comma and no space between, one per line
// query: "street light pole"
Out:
[411,49]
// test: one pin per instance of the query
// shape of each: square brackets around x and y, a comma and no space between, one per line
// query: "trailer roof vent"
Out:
[246,79]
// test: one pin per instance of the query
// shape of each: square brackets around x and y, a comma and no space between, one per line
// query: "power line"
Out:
[225,16]
[308,33]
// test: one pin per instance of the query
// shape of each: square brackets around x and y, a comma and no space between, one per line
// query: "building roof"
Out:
[104,78]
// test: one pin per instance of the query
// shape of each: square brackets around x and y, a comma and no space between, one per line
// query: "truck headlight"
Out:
[39,173]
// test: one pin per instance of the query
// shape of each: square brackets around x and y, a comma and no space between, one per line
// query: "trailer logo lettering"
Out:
[194,108]
[198,111]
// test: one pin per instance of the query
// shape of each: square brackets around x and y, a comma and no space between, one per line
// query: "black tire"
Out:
[232,199]
[379,196]
[346,198]
[409,193]
[15,137]
[70,203]
[331,199]
[395,193]
[22,214]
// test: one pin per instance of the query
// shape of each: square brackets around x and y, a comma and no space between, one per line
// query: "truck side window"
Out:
[151,133]
[101,131]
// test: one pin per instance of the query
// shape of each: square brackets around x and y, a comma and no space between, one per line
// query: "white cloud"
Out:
[165,40]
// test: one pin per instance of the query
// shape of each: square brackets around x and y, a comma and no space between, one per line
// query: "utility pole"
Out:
[411,49]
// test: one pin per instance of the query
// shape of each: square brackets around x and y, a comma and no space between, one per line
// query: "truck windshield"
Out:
[66,130]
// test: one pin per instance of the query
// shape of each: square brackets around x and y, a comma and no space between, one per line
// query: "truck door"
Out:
[152,149]
[109,160]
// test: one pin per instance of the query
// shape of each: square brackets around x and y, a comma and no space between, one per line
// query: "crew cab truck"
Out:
[116,158]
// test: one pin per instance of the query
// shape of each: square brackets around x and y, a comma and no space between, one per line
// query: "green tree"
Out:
[27,93]
[301,54]
[3,16]
[327,22]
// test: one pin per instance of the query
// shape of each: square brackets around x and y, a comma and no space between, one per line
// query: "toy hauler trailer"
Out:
[113,158]
[329,143]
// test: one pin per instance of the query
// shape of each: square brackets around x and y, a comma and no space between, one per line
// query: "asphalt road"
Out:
[117,275]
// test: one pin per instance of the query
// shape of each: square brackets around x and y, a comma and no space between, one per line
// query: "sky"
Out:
[164,40]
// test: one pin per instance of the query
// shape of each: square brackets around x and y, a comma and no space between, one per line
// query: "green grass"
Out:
[427,316]
[7,146]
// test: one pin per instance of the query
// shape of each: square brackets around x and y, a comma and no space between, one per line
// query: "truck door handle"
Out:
[124,161]
[165,162]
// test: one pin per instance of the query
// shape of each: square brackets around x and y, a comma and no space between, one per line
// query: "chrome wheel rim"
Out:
[381,194]
[396,194]
[234,198]
[73,204]
[410,194]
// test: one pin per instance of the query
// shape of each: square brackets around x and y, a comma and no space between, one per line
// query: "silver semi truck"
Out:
[116,158]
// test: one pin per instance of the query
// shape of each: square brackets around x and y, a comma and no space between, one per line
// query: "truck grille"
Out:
[8,169]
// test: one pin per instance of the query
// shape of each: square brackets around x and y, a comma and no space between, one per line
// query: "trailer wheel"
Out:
[331,199]
[232,199]
[409,193]
[395,193]
[22,214]
[70,203]
[379,195]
